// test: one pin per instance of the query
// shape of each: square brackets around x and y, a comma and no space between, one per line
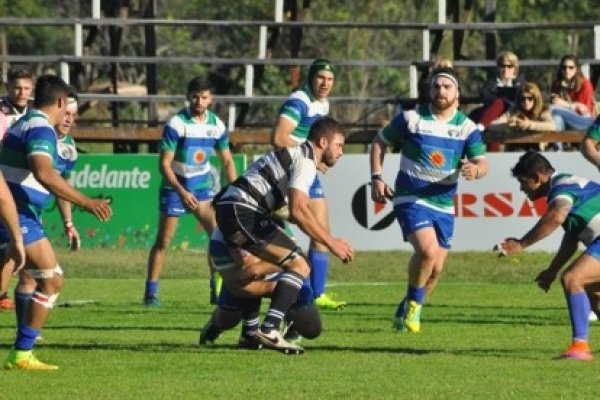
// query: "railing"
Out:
[249,64]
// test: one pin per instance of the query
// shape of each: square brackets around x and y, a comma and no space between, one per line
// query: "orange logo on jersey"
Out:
[199,157]
[437,159]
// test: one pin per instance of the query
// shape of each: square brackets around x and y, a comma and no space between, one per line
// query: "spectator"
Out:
[528,114]
[572,96]
[499,94]
[19,86]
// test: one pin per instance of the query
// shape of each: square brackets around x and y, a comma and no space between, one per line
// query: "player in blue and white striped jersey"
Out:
[189,139]
[574,203]
[305,106]
[438,144]
[244,216]
[28,161]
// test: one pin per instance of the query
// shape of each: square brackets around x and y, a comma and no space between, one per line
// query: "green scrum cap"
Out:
[318,65]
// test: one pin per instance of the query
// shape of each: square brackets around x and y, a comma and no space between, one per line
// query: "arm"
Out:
[379,190]
[553,218]
[228,165]
[305,219]
[42,169]
[589,149]
[281,136]
[164,165]
[10,219]
[64,207]
[545,123]
[568,247]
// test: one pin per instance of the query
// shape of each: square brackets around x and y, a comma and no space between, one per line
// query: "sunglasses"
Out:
[526,98]
[568,67]
[508,66]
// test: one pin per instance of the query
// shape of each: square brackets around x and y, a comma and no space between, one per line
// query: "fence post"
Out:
[64,71]
[231,117]
[413,79]
[278,10]
[96,9]
[597,42]
[78,40]
[426,44]
[249,80]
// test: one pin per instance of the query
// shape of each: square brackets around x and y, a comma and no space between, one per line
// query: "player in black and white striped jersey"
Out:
[244,208]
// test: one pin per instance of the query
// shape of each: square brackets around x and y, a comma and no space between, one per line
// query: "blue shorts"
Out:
[593,250]
[170,203]
[316,189]
[31,228]
[412,217]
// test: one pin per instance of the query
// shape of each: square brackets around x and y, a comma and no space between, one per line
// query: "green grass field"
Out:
[488,332]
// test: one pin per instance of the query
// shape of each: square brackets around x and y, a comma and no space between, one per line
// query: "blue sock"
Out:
[579,310]
[21,301]
[319,264]
[151,288]
[26,337]
[415,294]
[400,309]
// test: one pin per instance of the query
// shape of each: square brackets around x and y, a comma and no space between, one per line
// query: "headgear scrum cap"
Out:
[318,65]
[445,73]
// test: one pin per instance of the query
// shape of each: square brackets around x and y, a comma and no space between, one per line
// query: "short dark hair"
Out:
[530,164]
[48,89]
[325,127]
[72,93]
[18,72]
[199,84]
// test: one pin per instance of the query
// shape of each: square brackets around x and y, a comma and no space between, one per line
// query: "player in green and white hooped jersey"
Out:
[189,138]
[28,160]
[574,204]
[439,143]
[296,116]
[65,162]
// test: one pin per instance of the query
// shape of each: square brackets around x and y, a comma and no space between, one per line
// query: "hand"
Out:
[16,253]
[189,200]
[342,250]
[545,279]
[72,236]
[509,247]
[380,191]
[100,208]
[469,170]
[523,124]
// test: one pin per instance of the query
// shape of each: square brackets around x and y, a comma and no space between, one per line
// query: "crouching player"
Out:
[574,203]
[246,279]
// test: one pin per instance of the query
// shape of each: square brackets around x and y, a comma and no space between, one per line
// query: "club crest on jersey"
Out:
[199,156]
[437,159]
[454,133]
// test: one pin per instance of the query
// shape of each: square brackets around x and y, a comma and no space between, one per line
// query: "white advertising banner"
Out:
[487,210]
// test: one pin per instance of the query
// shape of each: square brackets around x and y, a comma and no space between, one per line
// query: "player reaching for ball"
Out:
[574,203]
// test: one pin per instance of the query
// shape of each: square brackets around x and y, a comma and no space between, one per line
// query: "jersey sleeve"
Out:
[474,145]
[41,141]
[303,174]
[222,142]
[293,109]
[396,131]
[170,136]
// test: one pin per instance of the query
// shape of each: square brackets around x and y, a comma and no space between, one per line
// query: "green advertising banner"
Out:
[130,183]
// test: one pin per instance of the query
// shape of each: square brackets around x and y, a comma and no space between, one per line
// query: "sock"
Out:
[26,337]
[21,301]
[284,295]
[250,310]
[415,294]
[400,310]
[319,264]
[151,289]
[579,310]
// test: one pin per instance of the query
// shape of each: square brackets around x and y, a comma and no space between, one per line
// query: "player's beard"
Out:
[443,103]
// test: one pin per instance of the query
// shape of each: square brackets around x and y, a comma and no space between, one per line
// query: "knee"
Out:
[570,281]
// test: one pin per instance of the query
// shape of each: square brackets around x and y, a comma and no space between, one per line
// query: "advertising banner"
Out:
[130,183]
[487,210]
